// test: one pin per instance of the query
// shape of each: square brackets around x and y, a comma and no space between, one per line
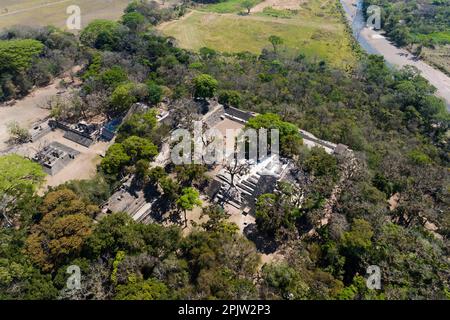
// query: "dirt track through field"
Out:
[34,8]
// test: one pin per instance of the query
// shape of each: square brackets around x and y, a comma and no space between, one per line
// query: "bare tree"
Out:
[235,167]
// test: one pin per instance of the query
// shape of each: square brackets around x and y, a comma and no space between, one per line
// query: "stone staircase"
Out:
[241,193]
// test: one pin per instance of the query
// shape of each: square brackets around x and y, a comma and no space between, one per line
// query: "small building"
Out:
[38,130]
[82,132]
[237,115]
[54,157]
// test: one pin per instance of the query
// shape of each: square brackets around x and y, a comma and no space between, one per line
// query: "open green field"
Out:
[316,31]
[53,12]
[230,6]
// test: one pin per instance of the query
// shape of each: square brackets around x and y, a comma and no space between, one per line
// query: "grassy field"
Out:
[46,12]
[230,6]
[316,31]
[439,57]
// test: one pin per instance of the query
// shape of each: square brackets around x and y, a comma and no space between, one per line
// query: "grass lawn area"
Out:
[316,31]
[230,6]
[53,12]
[438,57]
[438,37]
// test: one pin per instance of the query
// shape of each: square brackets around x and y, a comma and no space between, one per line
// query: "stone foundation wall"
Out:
[214,116]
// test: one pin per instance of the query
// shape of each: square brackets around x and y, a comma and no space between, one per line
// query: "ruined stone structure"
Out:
[214,116]
[237,115]
[54,157]
[243,193]
[39,130]
[82,132]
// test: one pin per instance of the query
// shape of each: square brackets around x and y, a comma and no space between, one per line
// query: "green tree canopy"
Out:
[123,97]
[230,98]
[101,34]
[139,124]
[113,77]
[139,148]
[290,139]
[19,178]
[155,93]
[205,86]
[133,20]
[150,289]
[275,41]
[189,198]
[248,4]
[17,55]
[116,158]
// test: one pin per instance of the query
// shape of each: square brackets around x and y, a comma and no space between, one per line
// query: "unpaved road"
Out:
[34,8]
[398,57]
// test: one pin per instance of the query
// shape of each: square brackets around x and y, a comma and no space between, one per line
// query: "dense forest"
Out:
[33,57]
[390,118]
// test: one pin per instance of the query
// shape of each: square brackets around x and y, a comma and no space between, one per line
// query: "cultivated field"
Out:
[53,12]
[314,29]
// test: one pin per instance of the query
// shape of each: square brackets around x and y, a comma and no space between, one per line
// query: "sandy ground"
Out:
[267,258]
[238,218]
[225,124]
[401,57]
[193,216]
[277,4]
[26,111]
[29,110]
[84,166]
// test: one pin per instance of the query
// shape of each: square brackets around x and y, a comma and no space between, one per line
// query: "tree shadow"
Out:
[263,243]
[160,208]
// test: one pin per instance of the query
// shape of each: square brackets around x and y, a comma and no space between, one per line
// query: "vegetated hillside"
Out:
[421,24]
[392,120]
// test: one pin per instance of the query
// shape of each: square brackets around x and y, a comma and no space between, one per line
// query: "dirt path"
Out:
[399,57]
[34,8]
[170,22]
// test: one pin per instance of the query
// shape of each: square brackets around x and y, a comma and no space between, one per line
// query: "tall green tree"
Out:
[275,41]
[16,55]
[205,86]
[188,200]
[19,177]
[102,34]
